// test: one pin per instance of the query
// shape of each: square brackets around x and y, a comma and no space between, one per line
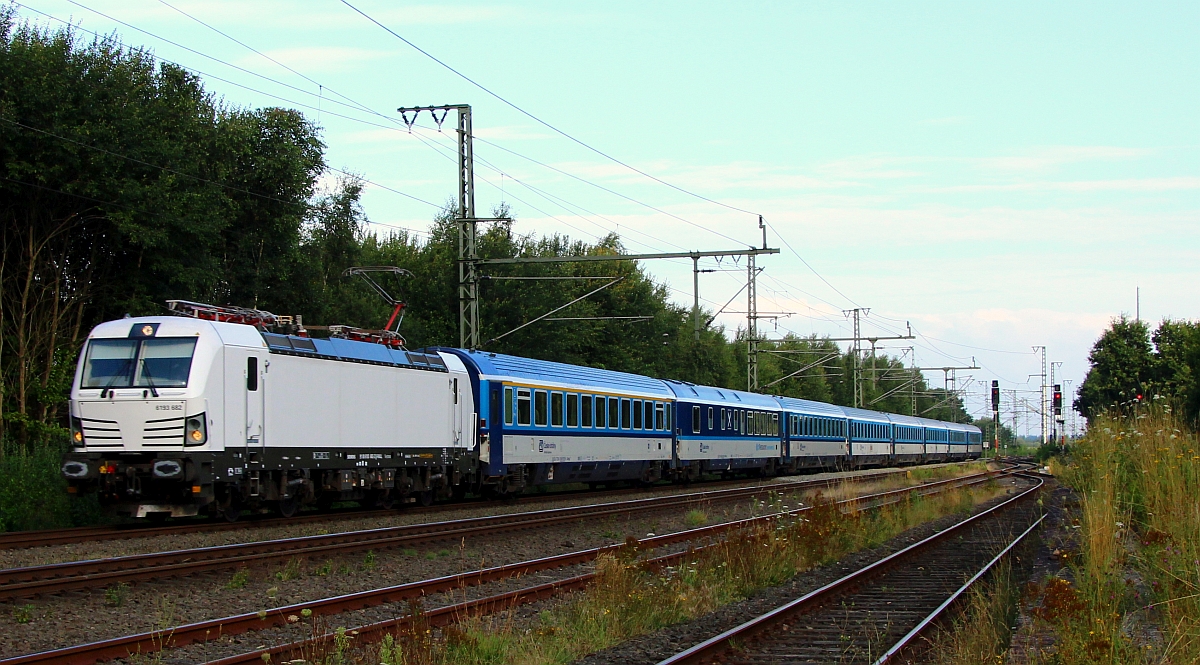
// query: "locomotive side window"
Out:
[539,408]
[695,420]
[572,410]
[624,413]
[637,414]
[523,406]
[587,411]
[508,405]
[556,409]
[252,373]
[614,413]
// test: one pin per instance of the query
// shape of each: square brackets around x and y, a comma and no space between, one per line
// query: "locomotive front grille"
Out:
[164,431]
[101,433]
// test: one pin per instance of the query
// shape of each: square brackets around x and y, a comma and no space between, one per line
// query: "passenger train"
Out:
[178,415]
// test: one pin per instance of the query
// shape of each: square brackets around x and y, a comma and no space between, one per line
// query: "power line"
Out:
[539,120]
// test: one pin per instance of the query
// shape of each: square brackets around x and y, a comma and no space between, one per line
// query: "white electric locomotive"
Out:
[213,412]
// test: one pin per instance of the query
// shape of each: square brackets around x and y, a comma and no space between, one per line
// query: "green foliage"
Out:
[33,493]
[1128,360]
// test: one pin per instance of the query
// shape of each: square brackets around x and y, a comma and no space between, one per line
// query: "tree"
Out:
[124,184]
[1122,367]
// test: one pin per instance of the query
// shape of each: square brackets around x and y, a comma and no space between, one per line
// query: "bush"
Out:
[33,493]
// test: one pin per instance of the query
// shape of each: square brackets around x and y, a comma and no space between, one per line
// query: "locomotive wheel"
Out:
[425,498]
[288,506]
[231,512]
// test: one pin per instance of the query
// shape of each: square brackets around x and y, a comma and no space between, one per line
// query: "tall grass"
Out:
[1137,573]
[627,599]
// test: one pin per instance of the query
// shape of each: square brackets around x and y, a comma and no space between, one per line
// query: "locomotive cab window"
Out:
[162,362]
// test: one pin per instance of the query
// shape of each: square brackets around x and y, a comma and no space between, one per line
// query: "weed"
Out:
[369,560]
[431,555]
[272,592]
[445,553]
[290,572]
[116,595]
[239,580]
[408,552]
[22,613]
[324,569]
[694,518]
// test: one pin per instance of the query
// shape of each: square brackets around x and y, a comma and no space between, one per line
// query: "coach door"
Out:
[245,372]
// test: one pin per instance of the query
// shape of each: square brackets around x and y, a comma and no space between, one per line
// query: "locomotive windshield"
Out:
[148,363]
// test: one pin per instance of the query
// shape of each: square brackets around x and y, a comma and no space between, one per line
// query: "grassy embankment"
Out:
[1136,593]
[626,600]
[1134,590]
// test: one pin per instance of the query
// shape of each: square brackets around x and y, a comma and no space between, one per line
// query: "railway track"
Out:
[202,631]
[874,614]
[46,537]
[30,581]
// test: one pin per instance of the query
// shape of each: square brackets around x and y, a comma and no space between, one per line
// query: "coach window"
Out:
[625,408]
[601,411]
[614,412]
[556,409]
[774,424]
[637,414]
[539,408]
[572,410]
[648,414]
[659,422]
[508,406]
[695,420]
[523,406]
[587,411]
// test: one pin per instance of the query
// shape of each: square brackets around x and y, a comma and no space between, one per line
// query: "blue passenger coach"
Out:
[870,436]
[815,435]
[725,430]
[546,422]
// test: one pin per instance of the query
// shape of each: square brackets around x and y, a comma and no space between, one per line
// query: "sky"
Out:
[999,175]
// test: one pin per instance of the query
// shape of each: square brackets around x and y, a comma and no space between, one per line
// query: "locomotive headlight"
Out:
[76,431]
[196,432]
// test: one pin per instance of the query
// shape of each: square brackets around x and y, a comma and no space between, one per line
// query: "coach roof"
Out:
[734,398]
[501,366]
